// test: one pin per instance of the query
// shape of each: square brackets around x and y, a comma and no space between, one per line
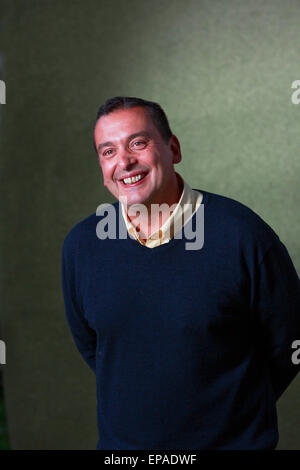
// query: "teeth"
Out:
[134,179]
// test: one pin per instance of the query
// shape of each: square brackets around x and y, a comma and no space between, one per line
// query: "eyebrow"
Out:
[130,137]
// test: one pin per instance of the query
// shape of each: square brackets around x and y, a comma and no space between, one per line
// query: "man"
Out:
[191,347]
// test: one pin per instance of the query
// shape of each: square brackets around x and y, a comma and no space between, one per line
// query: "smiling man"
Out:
[191,348]
[137,163]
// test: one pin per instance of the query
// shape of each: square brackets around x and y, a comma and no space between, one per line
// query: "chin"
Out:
[133,201]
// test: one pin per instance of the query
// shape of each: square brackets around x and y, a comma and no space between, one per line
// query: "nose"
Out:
[126,159]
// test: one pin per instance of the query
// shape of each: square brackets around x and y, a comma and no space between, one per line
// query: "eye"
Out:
[139,144]
[107,153]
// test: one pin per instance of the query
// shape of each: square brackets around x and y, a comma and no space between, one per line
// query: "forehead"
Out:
[123,122]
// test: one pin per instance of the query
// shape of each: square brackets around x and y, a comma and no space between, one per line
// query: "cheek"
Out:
[149,156]
[107,173]
[153,162]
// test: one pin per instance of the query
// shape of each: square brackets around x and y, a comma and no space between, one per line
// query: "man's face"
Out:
[130,146]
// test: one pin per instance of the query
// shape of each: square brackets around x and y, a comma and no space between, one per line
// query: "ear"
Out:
[174,146]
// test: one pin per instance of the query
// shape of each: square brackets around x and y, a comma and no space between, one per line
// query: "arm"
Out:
[279,314]
[84,337]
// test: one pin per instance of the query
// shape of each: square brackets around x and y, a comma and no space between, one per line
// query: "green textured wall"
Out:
[222,71]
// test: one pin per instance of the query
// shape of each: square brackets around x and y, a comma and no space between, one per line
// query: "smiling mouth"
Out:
[134,180]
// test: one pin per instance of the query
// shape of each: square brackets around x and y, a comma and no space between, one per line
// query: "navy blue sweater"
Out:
[191,348]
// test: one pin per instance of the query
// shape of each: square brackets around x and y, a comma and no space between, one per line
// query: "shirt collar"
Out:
[188,203]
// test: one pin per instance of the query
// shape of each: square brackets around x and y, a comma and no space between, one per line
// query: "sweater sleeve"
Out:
[84,336]
[279,314]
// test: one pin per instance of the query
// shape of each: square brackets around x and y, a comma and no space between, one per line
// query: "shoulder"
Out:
[84,231]
[230,209]
[237,222]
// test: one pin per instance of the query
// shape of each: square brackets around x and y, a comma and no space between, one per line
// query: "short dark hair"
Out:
[156,112]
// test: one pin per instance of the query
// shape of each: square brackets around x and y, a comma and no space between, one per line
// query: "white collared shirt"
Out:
[187,205]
